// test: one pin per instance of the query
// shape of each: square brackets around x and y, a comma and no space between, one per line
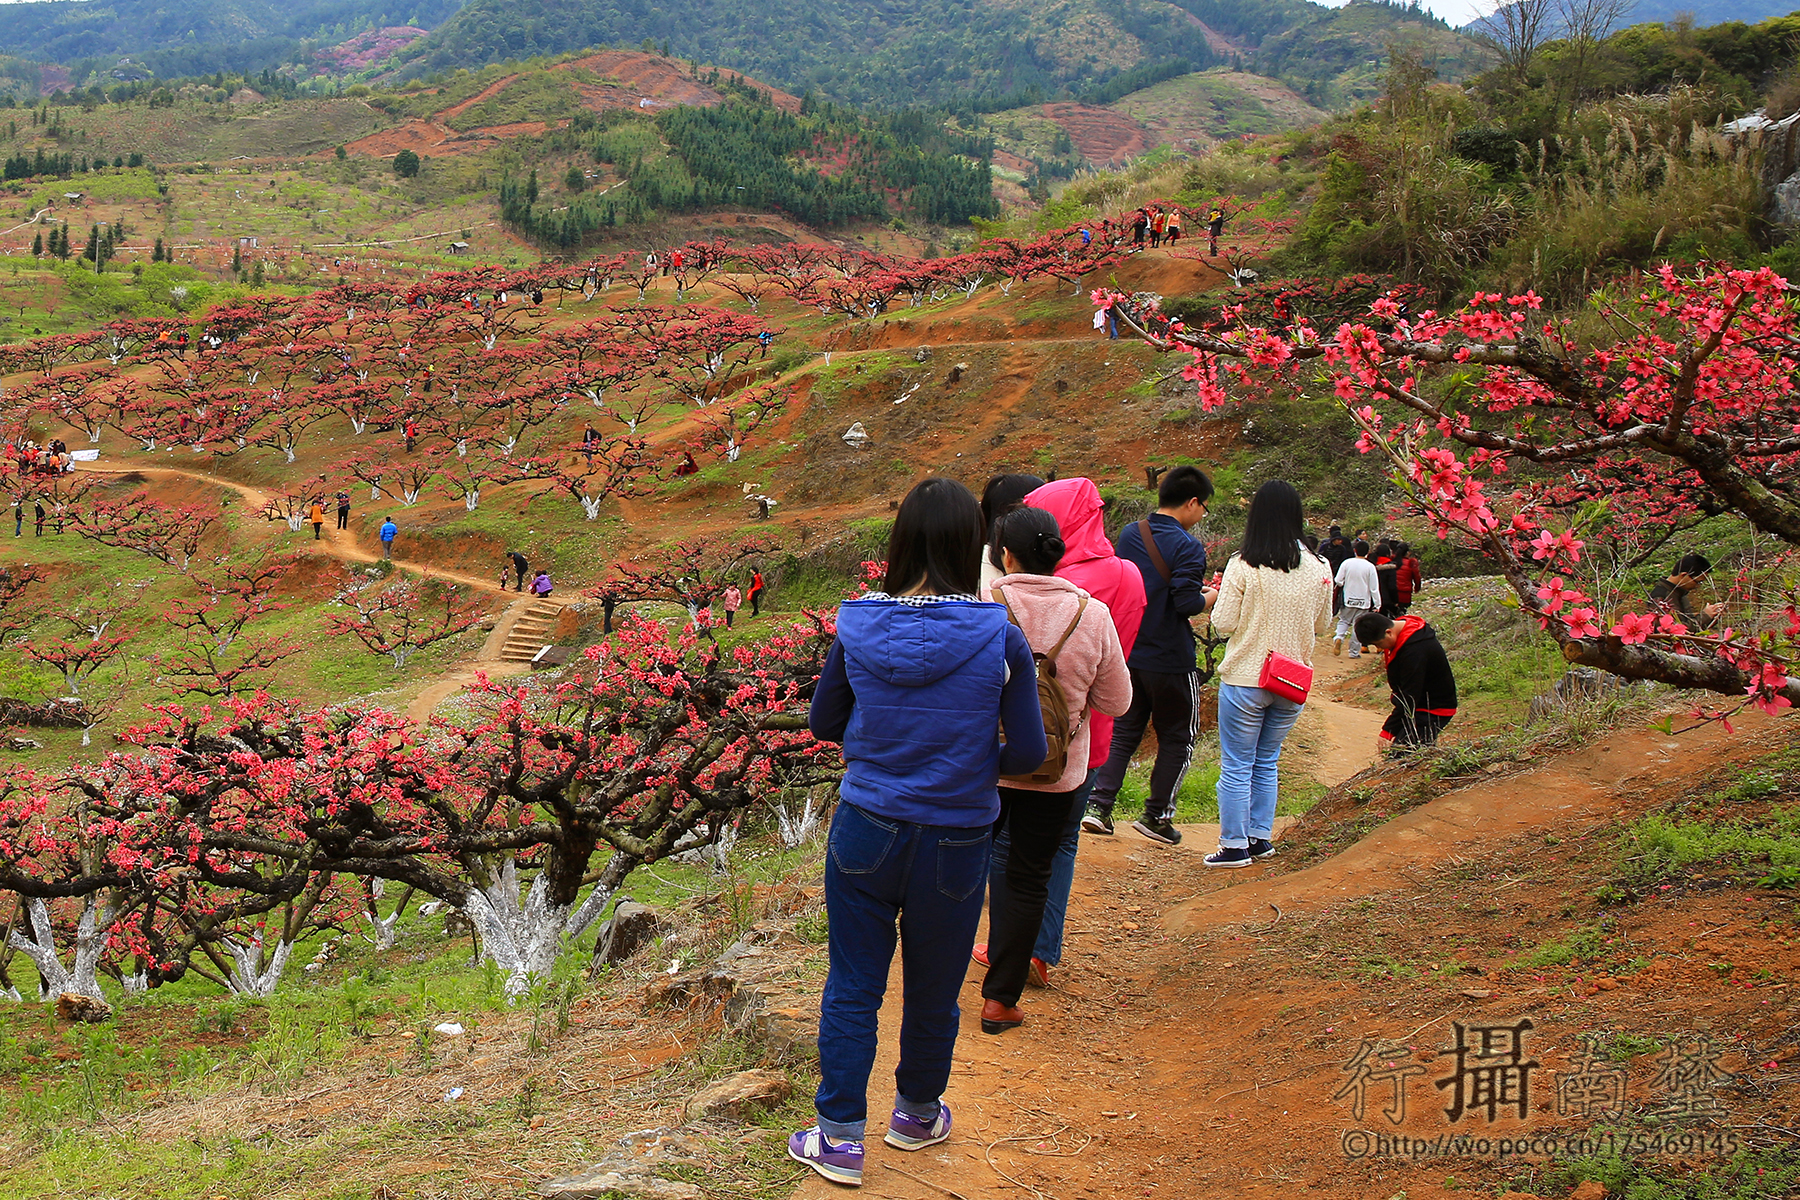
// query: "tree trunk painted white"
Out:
[472,498]
[591,506]
[374,493]
[385,931]
[40,948]
[796,829]
[410,495]
[295,521]
[289,451]
[358,424]
[250,976]
[11,993]
[523,939]
[135,985]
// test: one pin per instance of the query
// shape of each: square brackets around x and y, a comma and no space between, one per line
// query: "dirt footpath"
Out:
[1181,1053]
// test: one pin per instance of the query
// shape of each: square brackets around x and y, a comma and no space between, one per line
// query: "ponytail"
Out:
[1034,539]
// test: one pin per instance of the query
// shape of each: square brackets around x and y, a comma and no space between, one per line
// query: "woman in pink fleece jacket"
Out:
[1090,564]
[1091,669]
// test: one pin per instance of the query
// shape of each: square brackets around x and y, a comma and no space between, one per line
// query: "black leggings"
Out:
[1034,824]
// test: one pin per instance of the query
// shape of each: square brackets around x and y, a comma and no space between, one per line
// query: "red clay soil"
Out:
[1102,135]
[669,82]
[663,82]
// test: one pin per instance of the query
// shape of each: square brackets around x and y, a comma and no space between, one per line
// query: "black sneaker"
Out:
[1261,847]
[1098,820]
[1236,856]
[1158,831]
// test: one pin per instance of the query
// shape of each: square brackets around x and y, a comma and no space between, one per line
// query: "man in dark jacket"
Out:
[1165,687]
[521,567]
[1419,676]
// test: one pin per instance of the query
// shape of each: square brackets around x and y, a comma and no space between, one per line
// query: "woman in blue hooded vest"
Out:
[918,686]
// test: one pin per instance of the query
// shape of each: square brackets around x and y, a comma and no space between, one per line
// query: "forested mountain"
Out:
[198,36]
[989,53]
[861,51]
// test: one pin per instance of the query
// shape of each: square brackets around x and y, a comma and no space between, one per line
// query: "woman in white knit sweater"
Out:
[1276,595]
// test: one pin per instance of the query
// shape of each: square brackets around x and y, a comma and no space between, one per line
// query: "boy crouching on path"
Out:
[1423,686]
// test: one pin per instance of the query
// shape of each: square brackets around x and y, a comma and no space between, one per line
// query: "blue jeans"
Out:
[930,878]
[1062,875]
[1252,724]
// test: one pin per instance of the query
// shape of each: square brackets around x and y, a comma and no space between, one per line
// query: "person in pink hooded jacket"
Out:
[1062,622]
[1090,563]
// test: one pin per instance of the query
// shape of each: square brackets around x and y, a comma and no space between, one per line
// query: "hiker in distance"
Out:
[1360,591]
[1165,685]
[1677,591]
[520,567]
[1273,603]
[918,687]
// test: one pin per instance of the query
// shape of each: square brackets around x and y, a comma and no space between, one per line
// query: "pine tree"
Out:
[37,245]
[92,253]
[156,252]
[237,259]
[531,188]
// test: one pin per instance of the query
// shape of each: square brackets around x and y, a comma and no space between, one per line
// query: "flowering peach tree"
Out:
[1538,438]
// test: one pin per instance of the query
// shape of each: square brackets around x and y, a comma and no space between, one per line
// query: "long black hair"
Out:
[1002,494]
[936,540]
[1034,539]
[1274,526]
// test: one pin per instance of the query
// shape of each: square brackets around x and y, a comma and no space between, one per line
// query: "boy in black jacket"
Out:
[1424,688]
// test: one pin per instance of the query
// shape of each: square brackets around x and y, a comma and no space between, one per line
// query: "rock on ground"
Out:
[630,1171]
[73,1006]
[631,927]
[740,1095]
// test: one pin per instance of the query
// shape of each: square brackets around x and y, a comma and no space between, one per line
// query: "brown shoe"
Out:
[998,1018]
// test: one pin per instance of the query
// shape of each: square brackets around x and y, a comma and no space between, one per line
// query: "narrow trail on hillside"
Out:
[338,544]
[342,545]
[1025,1077]
[1169,1059]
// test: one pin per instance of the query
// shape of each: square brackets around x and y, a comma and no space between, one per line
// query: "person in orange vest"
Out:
[1158,222]
[316,514]
[1172,227]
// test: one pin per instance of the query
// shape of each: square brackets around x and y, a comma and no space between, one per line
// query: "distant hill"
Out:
[959,52]
[859,51]
[1335,56]
[1188,112]
[199,36]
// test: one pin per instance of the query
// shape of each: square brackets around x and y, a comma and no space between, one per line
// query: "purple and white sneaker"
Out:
[840,1162]
[907,1132]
